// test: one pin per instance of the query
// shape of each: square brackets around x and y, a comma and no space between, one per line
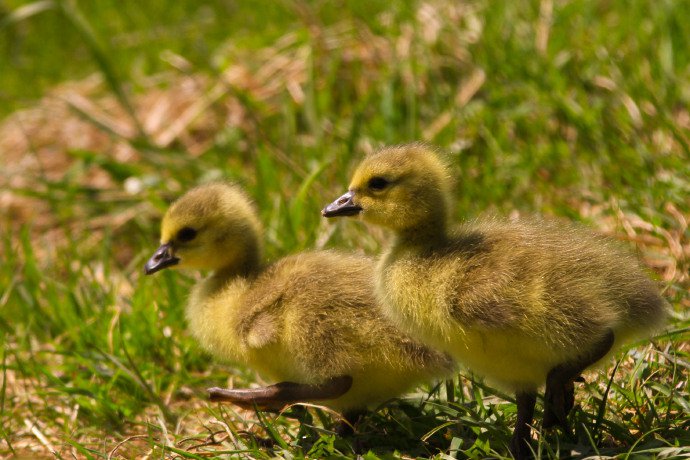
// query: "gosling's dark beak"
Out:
[161,259]
[343,206]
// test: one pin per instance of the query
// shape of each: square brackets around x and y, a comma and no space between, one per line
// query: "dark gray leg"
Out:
[559,396]
[277,396]
[519,444]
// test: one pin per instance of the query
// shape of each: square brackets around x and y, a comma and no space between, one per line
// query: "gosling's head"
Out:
[399,187]
[211,227]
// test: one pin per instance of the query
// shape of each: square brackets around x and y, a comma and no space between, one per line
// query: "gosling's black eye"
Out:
[377,183]
[186,234]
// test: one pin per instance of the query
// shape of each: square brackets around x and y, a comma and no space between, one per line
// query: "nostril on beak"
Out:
[162,253]
[342,200]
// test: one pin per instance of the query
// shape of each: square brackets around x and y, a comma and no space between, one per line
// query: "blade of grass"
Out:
[100,55]
[270,429]
[602,406]
[24,12]
[3,392]
[135,374]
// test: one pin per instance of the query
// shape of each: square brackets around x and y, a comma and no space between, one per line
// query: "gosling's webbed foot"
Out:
[275,397]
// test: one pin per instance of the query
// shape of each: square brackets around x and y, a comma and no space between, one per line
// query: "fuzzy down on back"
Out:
[512,299]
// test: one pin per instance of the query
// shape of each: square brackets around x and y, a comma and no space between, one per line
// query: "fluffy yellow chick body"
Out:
[512,300]
[522,302]
[305,318]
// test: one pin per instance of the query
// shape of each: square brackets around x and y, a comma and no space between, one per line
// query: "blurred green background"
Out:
[574,109]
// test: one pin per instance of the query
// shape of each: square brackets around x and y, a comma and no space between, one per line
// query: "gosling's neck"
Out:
[214,319]
[431,231]
[246,265]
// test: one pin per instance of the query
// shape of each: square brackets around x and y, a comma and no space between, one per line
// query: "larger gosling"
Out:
[523,303]
[308,321]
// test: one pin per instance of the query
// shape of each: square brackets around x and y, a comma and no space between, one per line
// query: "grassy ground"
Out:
[574,109]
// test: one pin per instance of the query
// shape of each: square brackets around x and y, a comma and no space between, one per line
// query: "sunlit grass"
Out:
[577,110]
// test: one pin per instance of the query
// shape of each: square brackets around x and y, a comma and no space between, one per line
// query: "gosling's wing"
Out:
[488,279]
[263,308]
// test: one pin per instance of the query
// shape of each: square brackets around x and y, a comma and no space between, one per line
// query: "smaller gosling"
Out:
[308,321]
[523,303]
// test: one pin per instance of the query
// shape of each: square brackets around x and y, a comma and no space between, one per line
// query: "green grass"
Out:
[587,122]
